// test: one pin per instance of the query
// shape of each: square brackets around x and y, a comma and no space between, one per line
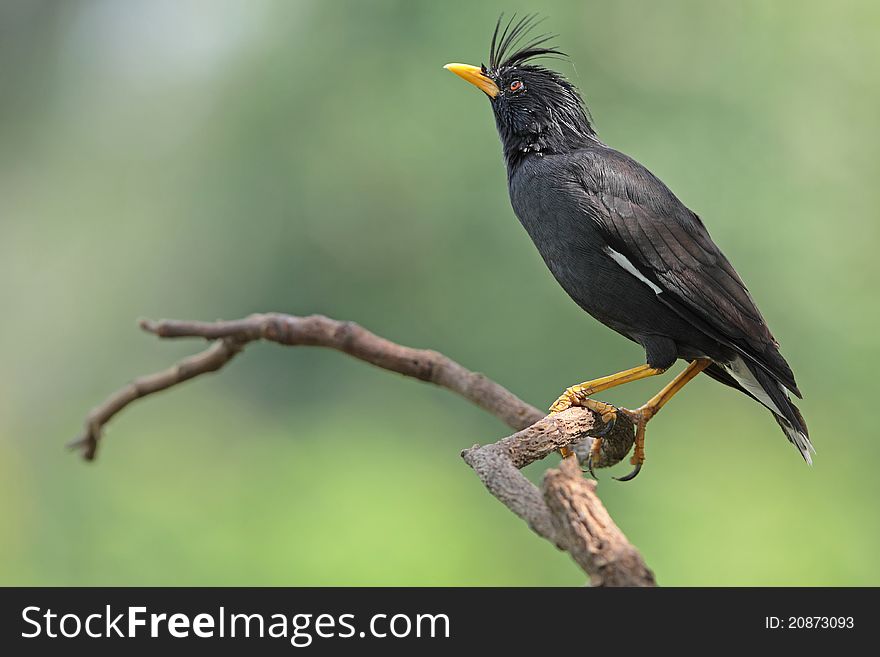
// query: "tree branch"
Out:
[567,512]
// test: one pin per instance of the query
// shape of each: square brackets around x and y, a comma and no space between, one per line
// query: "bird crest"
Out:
[511,47]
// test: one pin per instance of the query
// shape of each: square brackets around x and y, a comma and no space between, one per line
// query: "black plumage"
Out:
[619,242]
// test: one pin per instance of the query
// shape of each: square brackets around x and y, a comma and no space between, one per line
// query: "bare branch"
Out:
[354,340]
[568,513]
[586,531]
[209,360]
[315,331]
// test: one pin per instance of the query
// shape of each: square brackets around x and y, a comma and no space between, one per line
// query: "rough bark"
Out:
[567,512]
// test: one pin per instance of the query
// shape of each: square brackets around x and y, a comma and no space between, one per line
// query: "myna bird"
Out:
[623,246]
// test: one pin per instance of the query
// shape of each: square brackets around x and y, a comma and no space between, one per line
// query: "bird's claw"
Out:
[632,475]
[593,456]
[610,419]
[589,468]
[608,414]
[639,418]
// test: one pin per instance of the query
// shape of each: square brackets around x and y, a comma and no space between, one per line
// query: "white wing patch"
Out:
[621,260]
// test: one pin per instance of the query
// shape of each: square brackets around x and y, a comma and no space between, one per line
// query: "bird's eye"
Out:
[516,85]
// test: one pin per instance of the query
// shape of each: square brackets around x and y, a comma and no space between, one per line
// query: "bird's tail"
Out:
[788,416]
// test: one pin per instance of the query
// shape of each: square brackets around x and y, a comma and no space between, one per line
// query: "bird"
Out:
[624,247]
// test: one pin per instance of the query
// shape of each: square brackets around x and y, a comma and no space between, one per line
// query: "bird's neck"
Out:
[540,139]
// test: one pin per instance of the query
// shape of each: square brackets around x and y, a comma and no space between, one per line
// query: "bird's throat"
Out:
[540,139]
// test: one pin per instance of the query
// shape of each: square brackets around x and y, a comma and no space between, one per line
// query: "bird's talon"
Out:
[632,475]
[565,401]
[590,467]
[593,456]
[610,419]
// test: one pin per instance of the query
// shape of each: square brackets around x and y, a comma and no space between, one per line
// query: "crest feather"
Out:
[510,48]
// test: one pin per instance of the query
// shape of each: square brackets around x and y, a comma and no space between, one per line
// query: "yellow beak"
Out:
[474,75]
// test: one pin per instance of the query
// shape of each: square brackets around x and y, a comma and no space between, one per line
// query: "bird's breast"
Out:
[574,249]
[557,221]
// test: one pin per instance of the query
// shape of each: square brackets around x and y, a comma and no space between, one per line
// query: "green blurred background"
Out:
[212,159]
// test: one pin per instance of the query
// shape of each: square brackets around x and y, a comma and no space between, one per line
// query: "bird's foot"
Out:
[593,457]
[607,413]
[565,401]
[634,473]
[640,418]
[575,397]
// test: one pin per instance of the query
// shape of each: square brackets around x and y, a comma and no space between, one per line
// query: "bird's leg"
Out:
[595,450]
[644,413]
[579,396]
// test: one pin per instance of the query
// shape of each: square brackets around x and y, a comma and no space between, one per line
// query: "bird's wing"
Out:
[668,245]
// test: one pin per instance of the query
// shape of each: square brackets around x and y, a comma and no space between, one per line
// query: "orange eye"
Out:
[516,85]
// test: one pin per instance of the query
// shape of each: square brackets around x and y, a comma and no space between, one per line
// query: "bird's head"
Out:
[537,110]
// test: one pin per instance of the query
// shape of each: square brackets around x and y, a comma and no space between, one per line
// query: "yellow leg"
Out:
[659,400]
[576,395]
[649,409]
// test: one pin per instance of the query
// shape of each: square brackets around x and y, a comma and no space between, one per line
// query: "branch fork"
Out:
[566,511]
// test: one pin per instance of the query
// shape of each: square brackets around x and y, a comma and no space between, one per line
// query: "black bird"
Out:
[623,246]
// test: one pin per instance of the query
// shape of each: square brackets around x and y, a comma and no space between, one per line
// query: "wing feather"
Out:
[669,245]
